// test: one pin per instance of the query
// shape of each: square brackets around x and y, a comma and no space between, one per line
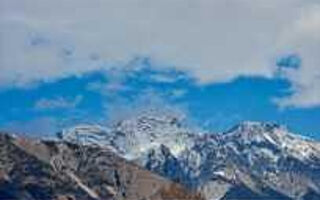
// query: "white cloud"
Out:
[147,101]
[177,93]
[108,89]
[41,127]
[57,103]
[163,78]
[304,38]
[213,40]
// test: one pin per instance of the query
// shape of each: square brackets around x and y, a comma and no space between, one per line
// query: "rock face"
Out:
[64,171]
[262,159]
[156,157]
[252,160]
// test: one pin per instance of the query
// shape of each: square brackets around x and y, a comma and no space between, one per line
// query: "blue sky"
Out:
[221,62]
[96,96]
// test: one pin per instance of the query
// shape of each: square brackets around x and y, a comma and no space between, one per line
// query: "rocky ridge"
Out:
[253,160]
[262,160]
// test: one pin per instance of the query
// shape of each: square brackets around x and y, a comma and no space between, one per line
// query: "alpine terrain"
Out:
[152,156]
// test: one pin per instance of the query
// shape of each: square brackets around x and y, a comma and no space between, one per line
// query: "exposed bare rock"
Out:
[60,170]
[261,160]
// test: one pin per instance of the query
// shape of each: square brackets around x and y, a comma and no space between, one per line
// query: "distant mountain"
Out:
[58,170]
[253,160]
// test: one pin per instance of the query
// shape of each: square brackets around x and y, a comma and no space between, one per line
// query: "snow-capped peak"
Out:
[257,127]
[161,143]
[135,136]
[146,132]
[85,134]
[266,134]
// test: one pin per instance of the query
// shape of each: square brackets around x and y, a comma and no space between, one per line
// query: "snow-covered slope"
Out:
[260,157]
[135,137]
[265,155]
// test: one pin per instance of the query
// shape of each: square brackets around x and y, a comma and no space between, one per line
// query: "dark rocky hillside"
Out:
[40,170]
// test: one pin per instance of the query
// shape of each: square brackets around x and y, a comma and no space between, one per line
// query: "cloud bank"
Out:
[212,40]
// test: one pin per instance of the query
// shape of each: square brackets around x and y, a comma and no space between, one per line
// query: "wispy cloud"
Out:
[147,102]
[166,78]
[57,103]
[39,127]
[106,88]
[178,93]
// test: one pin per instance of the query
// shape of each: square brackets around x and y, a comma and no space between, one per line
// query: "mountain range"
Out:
[152,156]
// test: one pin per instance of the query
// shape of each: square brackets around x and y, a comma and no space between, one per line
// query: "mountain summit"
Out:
[263,160]
[253,160]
